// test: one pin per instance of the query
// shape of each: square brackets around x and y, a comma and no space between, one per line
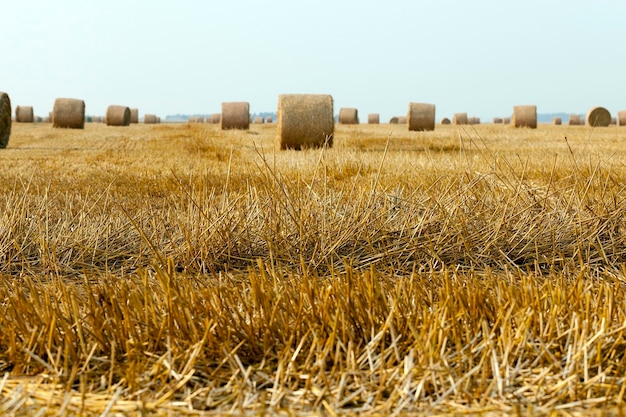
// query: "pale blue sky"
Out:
[188,56]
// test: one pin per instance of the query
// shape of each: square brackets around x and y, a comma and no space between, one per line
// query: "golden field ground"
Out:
[182,270]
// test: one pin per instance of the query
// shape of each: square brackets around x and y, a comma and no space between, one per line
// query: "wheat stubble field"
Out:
[183,270]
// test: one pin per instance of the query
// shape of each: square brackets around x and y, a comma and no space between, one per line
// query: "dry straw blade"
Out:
[305,121]
[68,113]
[5,119]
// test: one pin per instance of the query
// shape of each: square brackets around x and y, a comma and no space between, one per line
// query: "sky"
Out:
[188,56]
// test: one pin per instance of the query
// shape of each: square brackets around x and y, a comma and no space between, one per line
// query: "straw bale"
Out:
[497,120]
[269,119]
[216,118]
[68,113]
[236,115]
[373,118]
[118,116]
[24,114]
[149,119]
[394,120]
[305,121]
[613,121]
[621,118]
[259,120]
[506,120]
[196,119]
[134,115]
[459,119]
[525,116]
[598,117]
[557,121]
[5,119]
[445,121]
[402,120]
[473,120]
[575,120]
[421,117]
[348,116]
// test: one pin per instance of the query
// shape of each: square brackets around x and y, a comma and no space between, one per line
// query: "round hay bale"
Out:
[68,113]
[445,121]
[459,119]
[613,121]
[598,117]
[497,120]
[236,115]
[259,120]
[118,116]
[348,116]
[196,119]
[557,121]
[305,121]
[24,114]
[402,120]
[394,120]
[134,115]
[269,119]
[621,118]
[373,118]
[149,119]
[216,118]
[525,116]
[473,120]
[5,119]
[575,120]
[421,117]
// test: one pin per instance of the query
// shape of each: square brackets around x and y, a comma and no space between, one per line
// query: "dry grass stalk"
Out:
[459,119]
[317,282]
[421,117]
[117,116]
[373,118]
[5,119]
[68,113]
[24,114]
[348,116]
[525,116]
[598,117]
[305,121]
[149,119]
[235,115]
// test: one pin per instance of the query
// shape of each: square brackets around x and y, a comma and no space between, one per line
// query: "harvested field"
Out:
[180,269]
